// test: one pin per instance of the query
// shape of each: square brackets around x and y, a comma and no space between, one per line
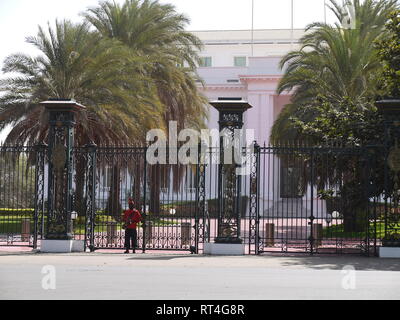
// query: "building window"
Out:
[205,61]
[239,61]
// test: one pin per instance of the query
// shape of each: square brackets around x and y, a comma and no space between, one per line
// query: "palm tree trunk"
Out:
[155,186]
[114,205]
[137,186]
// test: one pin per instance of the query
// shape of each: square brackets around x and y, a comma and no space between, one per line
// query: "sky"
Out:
[20,18]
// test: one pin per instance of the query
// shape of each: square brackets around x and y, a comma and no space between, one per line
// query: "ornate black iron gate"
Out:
[314,200]
[167,195]
[22,213]
[294,199]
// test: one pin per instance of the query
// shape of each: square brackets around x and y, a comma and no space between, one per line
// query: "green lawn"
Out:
[337,231]
[12,224]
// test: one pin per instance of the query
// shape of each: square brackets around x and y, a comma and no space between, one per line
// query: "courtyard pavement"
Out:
[161,276]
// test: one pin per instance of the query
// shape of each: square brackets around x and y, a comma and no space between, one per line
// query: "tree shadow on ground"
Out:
[337,262]
[17,253]
[161,256]
[320,262]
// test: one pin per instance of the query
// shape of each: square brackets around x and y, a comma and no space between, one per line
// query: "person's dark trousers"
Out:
[130,237]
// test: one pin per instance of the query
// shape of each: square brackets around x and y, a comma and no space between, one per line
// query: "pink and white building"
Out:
[245,64]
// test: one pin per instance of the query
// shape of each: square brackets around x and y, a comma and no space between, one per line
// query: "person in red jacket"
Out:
[131,218]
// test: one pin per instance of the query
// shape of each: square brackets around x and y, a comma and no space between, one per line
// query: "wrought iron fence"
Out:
[18,195]
[293,199]
[315,200]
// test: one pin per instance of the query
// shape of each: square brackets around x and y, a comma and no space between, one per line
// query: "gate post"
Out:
[228,240]
[311,218]
[38,218]
[390,109]
[371,234]
[90,196]
[254,217]
[59,233]
[25,229]
[200,227]
[144,213]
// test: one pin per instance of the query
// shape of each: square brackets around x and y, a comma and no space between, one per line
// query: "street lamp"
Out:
[335,214]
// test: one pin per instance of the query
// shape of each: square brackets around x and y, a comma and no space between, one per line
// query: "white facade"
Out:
[256,81]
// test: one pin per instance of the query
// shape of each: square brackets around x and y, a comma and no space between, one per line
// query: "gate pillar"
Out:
[60,169]
[229,181]
[90,189]
[390,109]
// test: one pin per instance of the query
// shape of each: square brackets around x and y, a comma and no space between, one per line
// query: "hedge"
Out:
[187,209]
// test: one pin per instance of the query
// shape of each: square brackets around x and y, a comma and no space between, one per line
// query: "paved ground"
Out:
[156,276]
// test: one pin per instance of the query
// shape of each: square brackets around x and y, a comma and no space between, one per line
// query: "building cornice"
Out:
[225,87]
[252,78]
[247,30]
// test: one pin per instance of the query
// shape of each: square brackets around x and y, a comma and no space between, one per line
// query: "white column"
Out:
[269,110]
[261,116]
[261,119]
[252,115]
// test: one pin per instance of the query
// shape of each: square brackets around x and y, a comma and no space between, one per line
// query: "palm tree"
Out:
[157,32]
[332,63]
[336,69]
[76,63]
